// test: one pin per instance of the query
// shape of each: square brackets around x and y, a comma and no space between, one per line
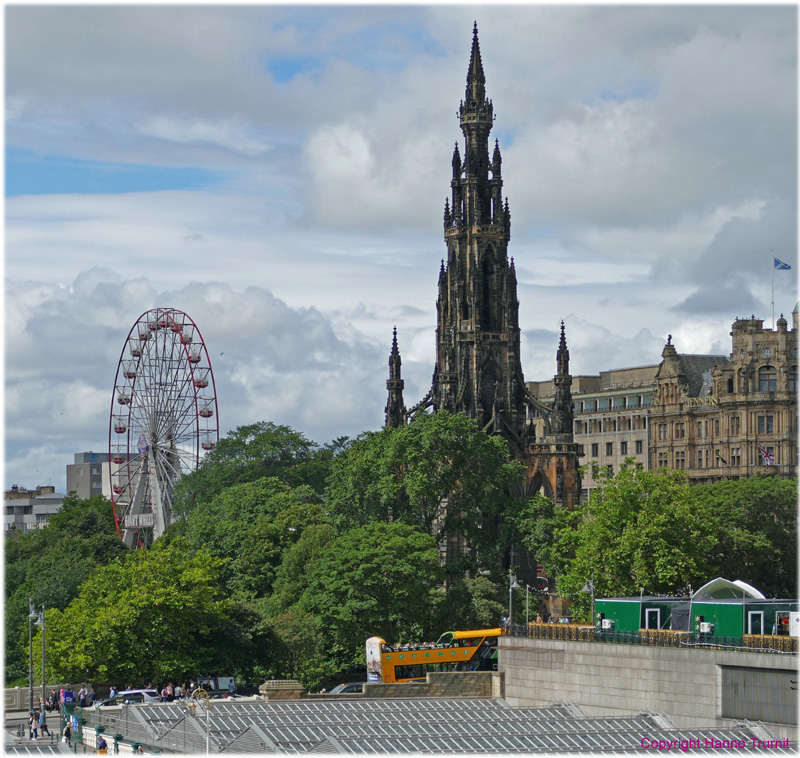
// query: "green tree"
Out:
[754,522]
[640,530]
[545,528]
[378,579]
[298,567]
[251,525]
[253,452]
[50,564]
[468,604]
[300,648]
[159,614]
[440,473]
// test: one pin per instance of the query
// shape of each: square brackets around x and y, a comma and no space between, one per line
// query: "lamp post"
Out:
[589,587]
[527,605]
[40,623]
[32,616]
[512,585]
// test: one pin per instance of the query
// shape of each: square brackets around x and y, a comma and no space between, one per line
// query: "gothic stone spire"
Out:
[395,409]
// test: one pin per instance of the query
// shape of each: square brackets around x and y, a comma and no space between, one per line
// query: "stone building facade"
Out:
[478,370]
[742,420]
[714,416]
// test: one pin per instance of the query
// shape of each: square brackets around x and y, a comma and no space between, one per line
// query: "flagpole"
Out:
[772,283]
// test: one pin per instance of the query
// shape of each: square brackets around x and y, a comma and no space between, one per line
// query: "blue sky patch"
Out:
[285,69]
[30,174]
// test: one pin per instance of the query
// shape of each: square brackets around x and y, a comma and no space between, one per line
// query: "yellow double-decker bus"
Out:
[469,650]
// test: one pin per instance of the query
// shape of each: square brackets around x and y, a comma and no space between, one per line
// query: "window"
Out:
[768,459]
[767,379]
[581,453]
[663,459]
[736,456]
[680,459]
[680,430]
[699,428]
[623,447]
[766,424]
[609,448]
[792,381]
[594,450]
[638,447]
[735,425]
[716,427]
[41,518]
[730,385]
[662,431]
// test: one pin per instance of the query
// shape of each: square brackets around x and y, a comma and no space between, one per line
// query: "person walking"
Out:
[33,723]
[43,723]
[82,693]
[67,735]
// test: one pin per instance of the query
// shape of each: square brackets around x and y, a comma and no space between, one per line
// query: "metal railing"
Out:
[659,638]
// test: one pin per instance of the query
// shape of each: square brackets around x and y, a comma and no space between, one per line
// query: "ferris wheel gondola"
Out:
[163,420]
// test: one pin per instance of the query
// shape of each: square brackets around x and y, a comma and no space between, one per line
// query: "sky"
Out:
[279,174]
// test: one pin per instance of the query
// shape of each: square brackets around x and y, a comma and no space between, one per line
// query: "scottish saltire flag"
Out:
[780,265]
[768,457]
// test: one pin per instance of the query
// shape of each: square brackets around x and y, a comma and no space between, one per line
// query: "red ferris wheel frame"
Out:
[163,420]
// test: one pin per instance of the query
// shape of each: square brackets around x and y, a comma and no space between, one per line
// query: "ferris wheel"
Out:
[163,420]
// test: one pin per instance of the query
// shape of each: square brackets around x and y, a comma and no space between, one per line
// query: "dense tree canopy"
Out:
[652,531]
[754,522]
[251,525]
[379,579]
[253,452]
[440,473]
[159,614]
[640,531]
[50,564]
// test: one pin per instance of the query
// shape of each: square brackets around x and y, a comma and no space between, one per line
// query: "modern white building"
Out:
[26,510]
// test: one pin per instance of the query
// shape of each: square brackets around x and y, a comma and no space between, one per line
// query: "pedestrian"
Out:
[33,722]
[67,734]
[113,692]
[82,693]
[178,692]
[91,696]
[102,745]
[170,693]
[43,723]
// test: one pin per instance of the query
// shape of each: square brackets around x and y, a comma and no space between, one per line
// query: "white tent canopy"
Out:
[724,589]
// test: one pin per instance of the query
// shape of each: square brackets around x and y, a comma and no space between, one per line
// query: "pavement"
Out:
[17,742]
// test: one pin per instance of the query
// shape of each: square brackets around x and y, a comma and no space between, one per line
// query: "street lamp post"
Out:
[32,616]
[512,585]
[40,623]
[527,605]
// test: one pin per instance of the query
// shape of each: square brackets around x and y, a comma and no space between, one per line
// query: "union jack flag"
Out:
[769,458]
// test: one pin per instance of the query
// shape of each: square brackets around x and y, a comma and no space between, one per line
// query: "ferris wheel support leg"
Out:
[131,535]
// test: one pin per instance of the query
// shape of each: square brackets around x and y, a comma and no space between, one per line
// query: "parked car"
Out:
[343,689]
[133,696]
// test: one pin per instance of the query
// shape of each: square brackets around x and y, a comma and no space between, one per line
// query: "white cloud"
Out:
[649,156]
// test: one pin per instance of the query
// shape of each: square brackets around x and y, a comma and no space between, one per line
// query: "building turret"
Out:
[562,414]
[395,409]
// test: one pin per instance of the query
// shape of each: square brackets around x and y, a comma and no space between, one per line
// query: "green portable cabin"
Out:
[723,608]
[720,608]
[630,614]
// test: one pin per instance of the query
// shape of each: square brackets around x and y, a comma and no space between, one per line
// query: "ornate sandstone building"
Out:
[478,371]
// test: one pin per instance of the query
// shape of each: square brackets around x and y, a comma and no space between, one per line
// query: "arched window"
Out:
[767,379]
[792,383]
